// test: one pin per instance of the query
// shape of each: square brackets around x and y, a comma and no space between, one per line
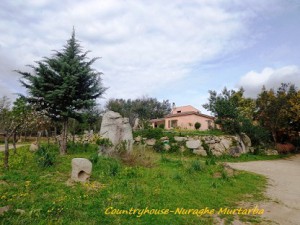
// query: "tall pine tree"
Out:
[64,85]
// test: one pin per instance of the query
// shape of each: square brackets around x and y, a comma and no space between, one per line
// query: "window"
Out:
[179,111]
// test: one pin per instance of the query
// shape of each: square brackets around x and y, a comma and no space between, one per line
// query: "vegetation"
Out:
[173,181]
[275,112]
[64,85]
[197,125]
[144,109]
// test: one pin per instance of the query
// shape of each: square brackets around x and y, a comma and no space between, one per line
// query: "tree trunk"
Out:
[55,134]
[38,138]
[6,152]
[14,142]
[274,136]
[48,137]
[63,145]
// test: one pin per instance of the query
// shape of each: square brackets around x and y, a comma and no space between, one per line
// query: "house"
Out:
[184,117]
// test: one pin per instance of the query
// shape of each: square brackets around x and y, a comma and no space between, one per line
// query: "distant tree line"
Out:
[144,108]
[273,112]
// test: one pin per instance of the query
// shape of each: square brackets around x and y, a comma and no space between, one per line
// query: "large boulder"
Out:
[193,144]
[81,169]
[226,143]
[217,149]
[246,140]
[236,151]
[117,129]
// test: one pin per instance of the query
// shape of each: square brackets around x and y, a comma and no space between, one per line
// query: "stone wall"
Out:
[216,145]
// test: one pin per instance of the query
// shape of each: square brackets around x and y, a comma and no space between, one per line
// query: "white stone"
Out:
[226,143]
[217,148]
[150,142]
[33,147]
[193,144]
[138,138]
[179,139]
[200,152]
[81,169]
[271,152]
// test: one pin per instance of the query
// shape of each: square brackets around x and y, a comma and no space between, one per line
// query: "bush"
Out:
[159,146]
[45,156]
[161,126]
[174,148]
[94,158]
[206,148]
[196,166]
[197,125]
[104,142]
[156,133]
[257,134]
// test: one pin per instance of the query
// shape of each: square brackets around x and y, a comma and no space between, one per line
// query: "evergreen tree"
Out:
[64,85]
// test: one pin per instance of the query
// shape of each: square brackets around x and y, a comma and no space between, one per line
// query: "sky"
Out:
[175,50]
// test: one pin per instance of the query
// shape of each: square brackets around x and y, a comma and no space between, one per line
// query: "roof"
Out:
[189,113]
[186,108]
[157,120]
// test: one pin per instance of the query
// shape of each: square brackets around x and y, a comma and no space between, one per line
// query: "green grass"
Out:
[172,181]
[250,157]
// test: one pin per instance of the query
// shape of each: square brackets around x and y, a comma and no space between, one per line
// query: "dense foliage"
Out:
[144,108]
[64,85]
[276,112]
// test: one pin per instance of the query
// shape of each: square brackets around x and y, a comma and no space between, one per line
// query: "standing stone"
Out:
[81,169]
[116,129]
[34,147]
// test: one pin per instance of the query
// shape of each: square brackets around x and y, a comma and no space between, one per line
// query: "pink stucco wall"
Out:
[184,122]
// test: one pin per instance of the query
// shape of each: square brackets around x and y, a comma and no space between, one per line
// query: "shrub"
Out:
[206,148]
[285,148]
[104,142]
[196,166]
[94,158]
[159,146]
[114,168]
[197,125]
[161,126]
[156,133]
[256,133]
[45,157]
[174,147]
[210,161]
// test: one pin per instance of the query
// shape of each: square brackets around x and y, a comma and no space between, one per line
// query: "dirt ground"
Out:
[283,188]
[11,147]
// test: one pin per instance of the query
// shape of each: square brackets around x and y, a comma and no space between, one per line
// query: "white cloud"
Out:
[253,81]
[144,45]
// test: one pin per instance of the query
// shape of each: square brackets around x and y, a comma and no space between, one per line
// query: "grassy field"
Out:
[161,181]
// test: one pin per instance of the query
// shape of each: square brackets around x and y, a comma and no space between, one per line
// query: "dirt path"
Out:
[283,188]
[11,146]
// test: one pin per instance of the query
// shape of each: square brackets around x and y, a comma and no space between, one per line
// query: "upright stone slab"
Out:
[81,169]
[116,129]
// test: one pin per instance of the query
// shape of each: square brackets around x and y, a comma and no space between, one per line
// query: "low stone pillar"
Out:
[81,169]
